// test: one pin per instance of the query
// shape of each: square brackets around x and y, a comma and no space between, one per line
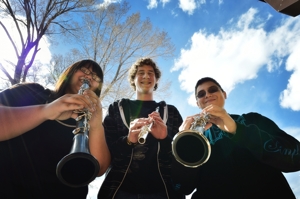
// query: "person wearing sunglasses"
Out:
[36,132]
[249,152]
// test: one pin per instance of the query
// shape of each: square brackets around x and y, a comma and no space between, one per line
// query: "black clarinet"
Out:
[79,167]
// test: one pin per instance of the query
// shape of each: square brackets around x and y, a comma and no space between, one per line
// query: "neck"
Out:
[144,96]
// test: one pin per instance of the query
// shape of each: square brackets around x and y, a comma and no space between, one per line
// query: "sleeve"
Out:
[116,135]
[173,123]
[24,94]
[183,179]
[267,142]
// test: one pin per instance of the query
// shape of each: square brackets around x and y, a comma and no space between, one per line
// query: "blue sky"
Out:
[251,49]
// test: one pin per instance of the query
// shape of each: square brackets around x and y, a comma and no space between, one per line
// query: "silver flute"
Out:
[145,131]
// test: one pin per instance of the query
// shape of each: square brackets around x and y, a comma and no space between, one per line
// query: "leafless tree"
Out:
[115,40]
[38,18]
[57,66]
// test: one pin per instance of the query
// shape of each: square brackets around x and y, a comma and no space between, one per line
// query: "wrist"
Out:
[129,142]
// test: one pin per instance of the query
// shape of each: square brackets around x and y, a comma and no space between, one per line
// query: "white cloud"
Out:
[164,2]
[190,6]
[290,97]
[106,3]
[239,52]
[154,3]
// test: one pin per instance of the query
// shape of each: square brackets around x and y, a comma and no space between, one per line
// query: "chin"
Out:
[207,104]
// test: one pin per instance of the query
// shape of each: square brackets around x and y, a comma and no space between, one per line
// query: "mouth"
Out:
[209,101]
[146,83]
[81,79]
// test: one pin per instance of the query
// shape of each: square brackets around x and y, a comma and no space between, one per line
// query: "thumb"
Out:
[208,125]
[73,115]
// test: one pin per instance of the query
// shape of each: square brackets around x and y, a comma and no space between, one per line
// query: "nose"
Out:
[207,94]
[146,75]
[89,77]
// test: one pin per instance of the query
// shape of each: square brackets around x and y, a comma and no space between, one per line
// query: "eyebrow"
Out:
[143,70]
[208,88]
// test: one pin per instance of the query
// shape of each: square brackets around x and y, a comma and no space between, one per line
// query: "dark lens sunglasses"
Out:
[211,90]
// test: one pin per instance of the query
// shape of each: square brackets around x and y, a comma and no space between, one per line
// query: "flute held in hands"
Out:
[145,131]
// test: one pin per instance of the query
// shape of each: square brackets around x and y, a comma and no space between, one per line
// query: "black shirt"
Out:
[143,175]
[28,162]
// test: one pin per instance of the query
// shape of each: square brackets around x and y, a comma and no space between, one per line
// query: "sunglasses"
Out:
[94,75]
[210,90]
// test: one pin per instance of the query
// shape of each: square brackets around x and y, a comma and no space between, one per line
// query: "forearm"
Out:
[116,138]
[99,149]
[276,149]
[15,121]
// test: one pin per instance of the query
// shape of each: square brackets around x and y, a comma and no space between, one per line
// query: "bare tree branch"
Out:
[116,39]
[33,19]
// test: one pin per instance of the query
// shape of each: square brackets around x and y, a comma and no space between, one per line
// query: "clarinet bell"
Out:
[79,167]
[190,147]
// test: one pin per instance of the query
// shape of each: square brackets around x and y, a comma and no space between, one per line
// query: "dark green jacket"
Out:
[246,165]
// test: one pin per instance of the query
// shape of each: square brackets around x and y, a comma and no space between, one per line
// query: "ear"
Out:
[198,104]
[225,94]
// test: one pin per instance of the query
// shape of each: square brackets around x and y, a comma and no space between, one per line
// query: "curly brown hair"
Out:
[141,62]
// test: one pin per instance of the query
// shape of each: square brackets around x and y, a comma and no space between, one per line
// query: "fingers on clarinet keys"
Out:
[79,167]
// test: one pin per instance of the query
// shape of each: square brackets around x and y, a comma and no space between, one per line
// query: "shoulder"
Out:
[24,86]
[120,102]
[173,112]
[250,114]
[251,117]
[172,107]
[24,94]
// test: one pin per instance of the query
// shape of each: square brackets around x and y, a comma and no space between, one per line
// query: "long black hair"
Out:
[65,78]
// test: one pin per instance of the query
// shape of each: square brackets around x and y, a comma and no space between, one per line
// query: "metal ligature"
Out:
[190,147]
[79,167]
[145,131]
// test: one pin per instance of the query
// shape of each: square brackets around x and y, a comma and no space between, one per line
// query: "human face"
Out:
[145,79]
[88,72]
[209,93]
[79,76]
